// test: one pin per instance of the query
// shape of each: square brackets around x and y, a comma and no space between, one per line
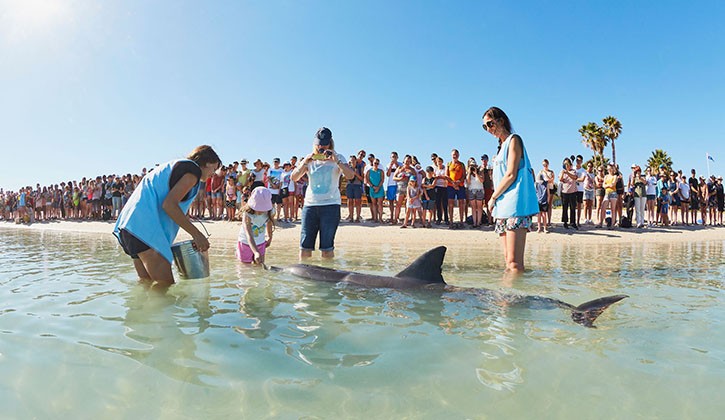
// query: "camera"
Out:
[328,152]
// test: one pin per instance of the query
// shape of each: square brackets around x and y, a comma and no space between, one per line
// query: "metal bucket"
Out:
[192,264]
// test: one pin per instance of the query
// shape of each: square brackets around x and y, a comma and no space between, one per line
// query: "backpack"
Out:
[625,222]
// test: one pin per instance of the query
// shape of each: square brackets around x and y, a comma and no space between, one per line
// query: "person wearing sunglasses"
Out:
[513,202]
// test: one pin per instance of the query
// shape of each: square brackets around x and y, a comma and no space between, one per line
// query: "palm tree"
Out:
[612,128]
[598,161]
[593,138]
[659,157]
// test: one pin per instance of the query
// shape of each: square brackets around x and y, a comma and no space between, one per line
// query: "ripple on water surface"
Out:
[80,338]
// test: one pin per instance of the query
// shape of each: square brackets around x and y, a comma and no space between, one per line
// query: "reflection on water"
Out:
[80,338]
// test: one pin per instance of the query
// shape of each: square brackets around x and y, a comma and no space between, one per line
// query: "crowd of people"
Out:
[407,193]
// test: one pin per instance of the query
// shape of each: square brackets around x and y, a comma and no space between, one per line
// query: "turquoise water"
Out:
[78,337]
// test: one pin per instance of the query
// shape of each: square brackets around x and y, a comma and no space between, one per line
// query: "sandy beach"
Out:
[288,234]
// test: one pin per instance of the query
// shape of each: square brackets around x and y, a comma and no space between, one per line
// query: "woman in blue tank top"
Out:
[514,198]
[151,218]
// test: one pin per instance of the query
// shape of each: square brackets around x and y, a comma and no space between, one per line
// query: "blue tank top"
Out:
[143,215]
[520,198]
[375,176]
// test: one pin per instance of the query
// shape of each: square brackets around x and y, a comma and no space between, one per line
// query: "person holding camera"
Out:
[475,192]
[321,210]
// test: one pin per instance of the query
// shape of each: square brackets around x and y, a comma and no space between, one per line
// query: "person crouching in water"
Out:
[257,217]
[158,207]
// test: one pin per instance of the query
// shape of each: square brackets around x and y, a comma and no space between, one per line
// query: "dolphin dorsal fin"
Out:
[426,268]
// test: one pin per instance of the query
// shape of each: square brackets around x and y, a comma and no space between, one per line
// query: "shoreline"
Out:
[374,233]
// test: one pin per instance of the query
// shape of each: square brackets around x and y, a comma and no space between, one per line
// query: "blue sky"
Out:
[102,87]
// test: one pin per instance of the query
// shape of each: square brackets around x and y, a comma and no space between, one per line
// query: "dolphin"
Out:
[426,273]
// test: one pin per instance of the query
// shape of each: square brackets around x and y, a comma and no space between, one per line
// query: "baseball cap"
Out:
[323,137]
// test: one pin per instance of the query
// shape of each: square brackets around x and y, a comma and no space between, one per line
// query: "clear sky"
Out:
[99,87]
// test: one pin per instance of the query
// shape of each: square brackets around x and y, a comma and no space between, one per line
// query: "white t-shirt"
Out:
[684,191]
[275,178]
[396,165]
[259,228]
[323,187]
[651,185]
[441,172]
[286,181]
[580,185]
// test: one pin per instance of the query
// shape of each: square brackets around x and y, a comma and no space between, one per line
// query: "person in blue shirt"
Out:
[158,207]
[513,202]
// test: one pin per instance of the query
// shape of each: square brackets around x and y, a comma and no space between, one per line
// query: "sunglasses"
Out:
[488,124]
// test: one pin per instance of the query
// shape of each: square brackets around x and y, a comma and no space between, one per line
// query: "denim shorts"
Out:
[392,192]
[353,191]
[459,193]
[319,219]
[588,195]
[429,204]
[475,194]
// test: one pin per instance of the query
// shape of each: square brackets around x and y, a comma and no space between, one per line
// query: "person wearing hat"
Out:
[257,219]
[274,180]
[158,207]
[258,175]
[321,210]
[287,192]
[720,199]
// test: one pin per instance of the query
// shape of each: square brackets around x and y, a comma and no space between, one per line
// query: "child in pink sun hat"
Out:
[257,217]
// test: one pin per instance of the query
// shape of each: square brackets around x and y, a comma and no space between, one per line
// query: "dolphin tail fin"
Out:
[427,268]
[586,313]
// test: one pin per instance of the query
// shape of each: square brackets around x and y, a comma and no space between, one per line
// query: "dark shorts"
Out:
[459,193]
[276,199]
[651,197]
[354,191]
[319,219]
[580,197]
[131,245]
[283,193]
[599,192]
[676,200]
[544,207]
[231,204]
[429,204]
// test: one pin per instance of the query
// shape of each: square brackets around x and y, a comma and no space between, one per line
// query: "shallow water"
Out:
[79,338]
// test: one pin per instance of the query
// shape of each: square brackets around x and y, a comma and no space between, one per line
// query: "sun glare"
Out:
[24,19]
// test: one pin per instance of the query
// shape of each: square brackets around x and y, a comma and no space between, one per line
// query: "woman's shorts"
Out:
[676,200]
[245,254]
[354,191]
[543,207]
[217,194]
[651,197]
[588,195]
[512,223]
[284,193]
[231,204]
[391,192]
[475,194]
[131,245]
[459,193]
[322,220]
[429,204]
[599,192]
[612,196]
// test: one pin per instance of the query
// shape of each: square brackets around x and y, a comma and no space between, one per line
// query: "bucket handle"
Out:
[202,225]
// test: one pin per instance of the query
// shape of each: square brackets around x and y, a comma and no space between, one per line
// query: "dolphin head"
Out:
[427,268]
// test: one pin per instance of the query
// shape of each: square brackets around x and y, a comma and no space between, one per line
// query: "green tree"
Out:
[593,138]
[611,129]
[659,157]
[598,161]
